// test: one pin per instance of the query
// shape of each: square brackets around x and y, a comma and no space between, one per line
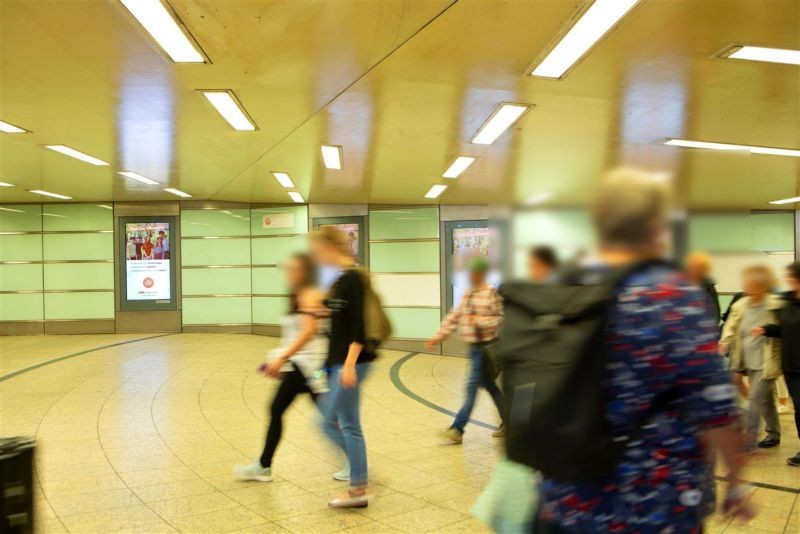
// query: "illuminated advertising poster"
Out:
[147,269]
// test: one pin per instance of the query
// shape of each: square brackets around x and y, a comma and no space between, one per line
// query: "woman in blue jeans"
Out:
[349,357]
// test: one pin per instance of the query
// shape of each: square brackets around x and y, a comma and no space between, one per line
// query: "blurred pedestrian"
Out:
[477,318]
[542,264]
[698,268]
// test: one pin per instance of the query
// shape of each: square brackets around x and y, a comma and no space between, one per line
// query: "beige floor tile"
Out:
[91,502]
[467,526]
[288,507]
[252,493]
[173,490]
[115,520]
[390,505]
[425,519]
[192,505]
[228,520]
[324,522]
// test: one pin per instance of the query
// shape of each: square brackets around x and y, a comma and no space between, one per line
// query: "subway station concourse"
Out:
[167,166]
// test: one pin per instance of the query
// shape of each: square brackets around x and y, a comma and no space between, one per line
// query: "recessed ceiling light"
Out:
[5,184]
[225,102]
[177,192]
[284,179]
[332,156]
[590,28]
[538,198]
[71,152]
[53,215]
[786,201]
[105,206]
[11,210]
[138,177]
[7,127]
[498,122]
[297,197]
[726,146]
[768,55]
[49,194]
[165,29]
[458,166]
[435,191]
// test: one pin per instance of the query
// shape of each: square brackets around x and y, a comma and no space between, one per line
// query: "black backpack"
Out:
[553,357]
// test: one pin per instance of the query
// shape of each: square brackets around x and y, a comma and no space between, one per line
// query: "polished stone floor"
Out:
[139,433]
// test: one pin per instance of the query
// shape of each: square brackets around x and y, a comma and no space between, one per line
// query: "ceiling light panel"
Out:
[501,119]
[6,184]
[165,28]
[49,194]
[284,179]
[767,55]
[71,152]
[435,191]
[227,105]
[138,177]
[460,164]
[296,197]
[332,156]
[772,151]
[596,22]
[7,127]
[177,192]
[786,201]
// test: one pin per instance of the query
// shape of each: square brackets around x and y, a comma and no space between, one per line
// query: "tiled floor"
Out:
[141,436]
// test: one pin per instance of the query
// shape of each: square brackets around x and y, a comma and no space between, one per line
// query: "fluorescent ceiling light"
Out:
[786,201]
[105,206]
[49,194]
[53,215]
[177,192]
[164,29]
[230,109]
[332,156]
[538,198]
[297,197]
[590,28]
[435,191]
[458,166]
[138,177]
[769,55]
[7,127]
[71,152]
[284,179]
[499,121]
[5,184]
[726,146]
[11,210]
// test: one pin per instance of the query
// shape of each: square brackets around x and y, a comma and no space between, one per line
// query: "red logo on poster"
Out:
[267,221]
[148,282]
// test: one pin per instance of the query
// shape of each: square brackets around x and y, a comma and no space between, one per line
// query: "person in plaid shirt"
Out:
[477,318]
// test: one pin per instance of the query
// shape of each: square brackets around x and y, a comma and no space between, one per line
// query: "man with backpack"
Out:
[616,394]
[477,319]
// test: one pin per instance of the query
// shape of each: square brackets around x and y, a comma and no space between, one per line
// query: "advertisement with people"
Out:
[147,253]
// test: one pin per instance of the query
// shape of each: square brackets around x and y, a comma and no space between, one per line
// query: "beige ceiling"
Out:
[401,85]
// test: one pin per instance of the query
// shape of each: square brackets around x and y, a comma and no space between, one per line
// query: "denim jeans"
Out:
[341,421]
[762,405]
[476,379]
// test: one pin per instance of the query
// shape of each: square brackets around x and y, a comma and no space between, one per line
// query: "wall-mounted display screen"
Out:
[147,263]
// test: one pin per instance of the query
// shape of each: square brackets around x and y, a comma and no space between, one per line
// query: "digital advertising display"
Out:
[147,266]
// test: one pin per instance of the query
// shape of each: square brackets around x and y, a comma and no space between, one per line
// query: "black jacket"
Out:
[788,330]
[710,288]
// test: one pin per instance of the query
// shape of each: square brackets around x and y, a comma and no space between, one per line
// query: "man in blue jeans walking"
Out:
[477,318]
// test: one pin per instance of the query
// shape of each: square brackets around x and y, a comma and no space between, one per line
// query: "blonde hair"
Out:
[333,237]
[629,207]
[760,274]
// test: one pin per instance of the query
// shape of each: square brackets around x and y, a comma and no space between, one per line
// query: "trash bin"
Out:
[16,483]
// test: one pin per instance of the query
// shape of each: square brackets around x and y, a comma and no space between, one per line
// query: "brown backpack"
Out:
[377,327]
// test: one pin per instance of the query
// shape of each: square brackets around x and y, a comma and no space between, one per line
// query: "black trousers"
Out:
[292,384]
[793,385]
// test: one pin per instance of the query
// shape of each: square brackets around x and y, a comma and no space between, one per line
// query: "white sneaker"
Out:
[343,474]
[253,471]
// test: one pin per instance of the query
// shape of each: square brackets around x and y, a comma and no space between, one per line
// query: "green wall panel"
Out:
[269,310]
[21,247]
[21,218]
[274,250]
[297,215]
[773,232]
[21,277]
[215,251]
[218,310]
[404,223]
[79,276]
[215,223]
[268,281]
[76,217]
[404,257]
[414,323]
[79,247]
[21,307]
[742,232]
[78,306]
[216,281]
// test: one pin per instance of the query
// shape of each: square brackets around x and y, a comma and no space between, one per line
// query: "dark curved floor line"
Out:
[394,374]
[68,356]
